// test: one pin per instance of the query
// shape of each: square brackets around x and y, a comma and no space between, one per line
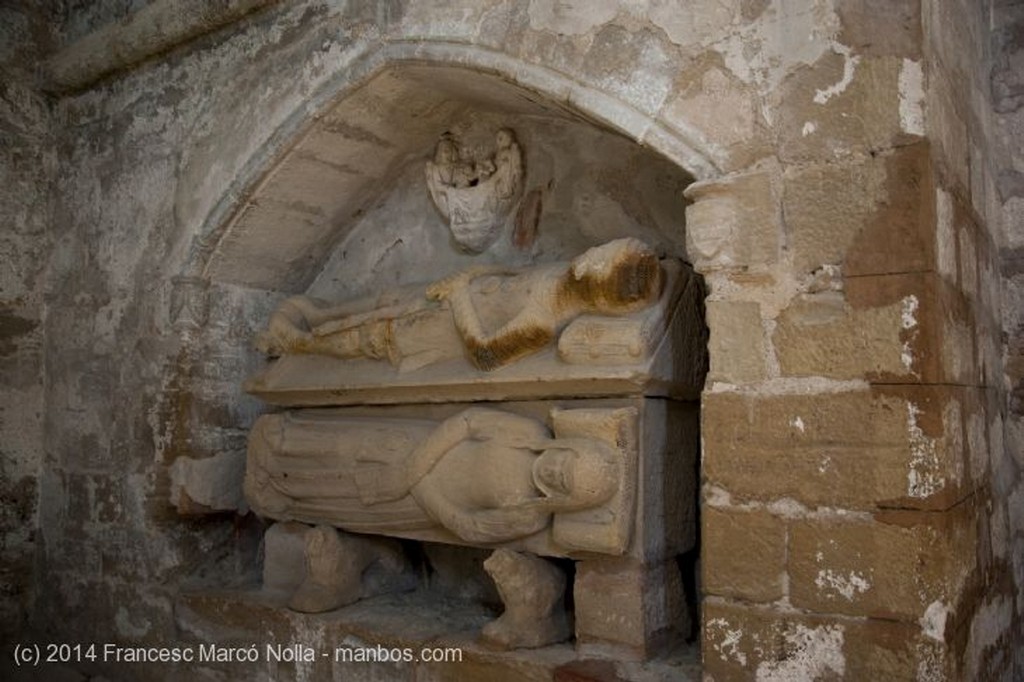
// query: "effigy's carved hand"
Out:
[444,288]
[280,341]
[439,291]
[287,331]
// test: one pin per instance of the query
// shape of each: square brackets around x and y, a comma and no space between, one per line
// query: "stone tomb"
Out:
[538,411]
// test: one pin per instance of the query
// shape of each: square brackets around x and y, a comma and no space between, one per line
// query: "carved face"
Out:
[576,476]
[504,139]
[446,153]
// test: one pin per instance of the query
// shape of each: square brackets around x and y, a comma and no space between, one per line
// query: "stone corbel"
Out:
[733,221]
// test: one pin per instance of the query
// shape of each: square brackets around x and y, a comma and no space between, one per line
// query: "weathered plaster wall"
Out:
[26,167]
[854,418]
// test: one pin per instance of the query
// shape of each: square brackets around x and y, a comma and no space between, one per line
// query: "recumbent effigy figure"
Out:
[483,477]
[617,278]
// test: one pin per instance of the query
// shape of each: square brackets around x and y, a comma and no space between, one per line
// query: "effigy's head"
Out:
[620,276]
[576,473]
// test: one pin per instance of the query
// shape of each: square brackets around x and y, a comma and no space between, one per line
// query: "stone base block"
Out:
[636,610]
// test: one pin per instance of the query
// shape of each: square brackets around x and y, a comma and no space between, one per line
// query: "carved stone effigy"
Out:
[613,321]
[476,197]
[483,477]
[589,454]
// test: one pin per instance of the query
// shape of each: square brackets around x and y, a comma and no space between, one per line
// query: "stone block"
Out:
[890,329]
[826,205]
[967,243]
[724,109]
[945,234]
[854,450]
[899,235]
[820,334]
[896,566]
[947,129]
[841,105]
[937,325]
[871,214]
[637,610]
[743,642]
[898,35]
[743,554]
[733,222]
[736,345]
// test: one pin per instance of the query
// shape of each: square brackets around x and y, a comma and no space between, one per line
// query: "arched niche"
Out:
[344,208]
[335,203]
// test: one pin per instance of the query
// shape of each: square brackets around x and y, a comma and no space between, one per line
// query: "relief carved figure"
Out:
[446,319]
[476,197]
[481,477]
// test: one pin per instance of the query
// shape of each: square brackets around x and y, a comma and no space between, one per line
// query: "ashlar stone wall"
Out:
[860,443]
[859,447]
[855,216]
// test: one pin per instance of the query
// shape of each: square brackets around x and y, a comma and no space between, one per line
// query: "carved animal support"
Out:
[533,591]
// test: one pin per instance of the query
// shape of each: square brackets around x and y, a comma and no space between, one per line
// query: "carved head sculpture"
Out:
[576,473]
[504,138]
[620,276]
[447,152]
[476,195]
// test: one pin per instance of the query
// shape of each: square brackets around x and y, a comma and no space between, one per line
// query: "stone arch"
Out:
[684,146]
